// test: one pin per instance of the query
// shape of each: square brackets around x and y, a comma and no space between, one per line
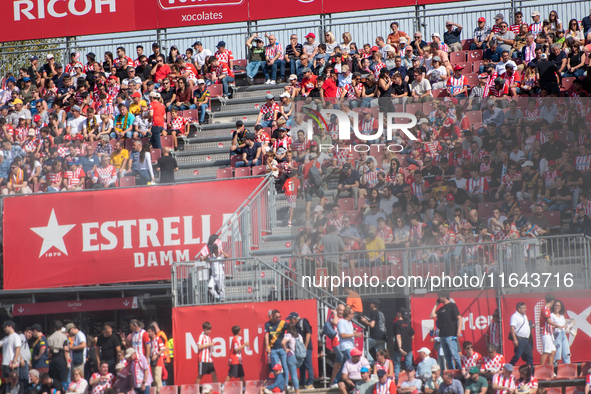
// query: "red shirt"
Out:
[159,112]
[309,83]
[330,90]
[161,73]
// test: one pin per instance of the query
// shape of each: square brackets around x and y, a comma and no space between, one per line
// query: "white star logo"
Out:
[53,235]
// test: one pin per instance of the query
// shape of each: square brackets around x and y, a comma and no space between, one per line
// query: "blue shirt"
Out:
[88,163]
[493,56]
[274,331]
[346,327]
[425,365]
[401,70]
[279,382]
[135,160]
[43,361]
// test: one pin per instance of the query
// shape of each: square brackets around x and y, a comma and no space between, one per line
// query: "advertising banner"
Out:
[112,236]
[251,317]
[577,306]
[476,309]
[101,304]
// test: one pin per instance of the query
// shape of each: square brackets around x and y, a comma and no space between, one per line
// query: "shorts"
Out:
[6,371]
[236,371]
[310,191]
[349,387]
[291,200]
[548,344]
[206,368]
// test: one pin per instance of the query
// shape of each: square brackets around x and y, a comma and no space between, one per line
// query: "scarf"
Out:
[88,126]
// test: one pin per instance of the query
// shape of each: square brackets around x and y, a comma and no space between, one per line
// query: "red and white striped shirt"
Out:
[235,354]
[157,347]
[54,178]
[265,109]
[456,84]
[71,68]
[377,68]
[535,28]
[113,90]
[449,238]
[106,175]
[263,138]
[583,163]
[493,364]
[416,232]
[432,147]
[456,226]
[510,80]
[179,123]
[542,137]
[139,339]
[477,186]
[225,56]
[104,383]
[515,28]
[502,381]
[443,47]
[105,109]
[584,209]
[272,50]
[532,384]
[368,127]
[387,388]
[494,92]
[385,366]
[349,92]
[494,333]
[456,159]
[204,354]
[117,61]
[31,145]
[342,156]
[286,142]
[508,180]
[337,222]
[386,235]
[486,167]
[74,177]
[302,146]
[473,361]
[532,115]
[417,190]
[222,69]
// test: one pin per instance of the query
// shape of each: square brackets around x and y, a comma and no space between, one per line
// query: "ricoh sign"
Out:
[40,9]
[120,235]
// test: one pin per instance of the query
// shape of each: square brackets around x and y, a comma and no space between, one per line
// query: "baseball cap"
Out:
[483,76]
[508,367]
[436,59]
[197,43]
[58,65]
[450,197]
[311,35]
[402,40]
[364,369]
[544,56]
[49,56]
[527,164]
[448,122]
[155,45]
[292,77]
[78,65]
[381,372]
[129,352]
[37,118]
[281,151]
[375,48]
[155,94]
[438,178]
[9,323]
[17,101]
[346,166]
[435,35]
[474,369]
[499,81]
[312,155]
[458,67]
[221,44]
[413,167]
[91,55]
[551,163]
[499,16]
[423,121]
[535,13]
[481,19]
[467,226]
[415,58]
[485,154]
[207,388]
[355,351]
[136,94]
[307,70]
[33,58]
[295,315]
[509,65]
[76,108]
[269,96]
[70,326]
[424,350]
[435,368]
[277,367]
[200,81]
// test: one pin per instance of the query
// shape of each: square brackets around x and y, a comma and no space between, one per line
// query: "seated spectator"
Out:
[79,385]
[50,385]
[251,153]
[420,88]
[412,384]
[475,384]
[105,176]
[351,372]
[504,380]
[452,36]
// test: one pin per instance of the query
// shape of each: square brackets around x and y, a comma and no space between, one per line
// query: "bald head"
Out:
[165,151]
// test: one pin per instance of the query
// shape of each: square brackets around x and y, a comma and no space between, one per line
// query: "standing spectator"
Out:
[377,329]
[449,322]
[157,114]
[139,339]
[452,36]
[59,346]
[11,349]
[520,333]
[560,339]
[274,330]
[108,345]
[547,332]
[403,338]
[167,166]
[156,358]
[289,345]
[40,360]
[12,384]
[347,335]
[274,58]
[304,329]
[140,370]
[25,356]
[78,348]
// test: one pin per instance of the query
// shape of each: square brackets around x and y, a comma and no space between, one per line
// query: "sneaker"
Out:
[309,386]
[225,96]
[288,224]
[267,391]
[273,82]
[268,82]
[249,81]
[334,386]
[289,387]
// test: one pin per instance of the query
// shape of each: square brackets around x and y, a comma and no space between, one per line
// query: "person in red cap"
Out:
[135,108]
[351,372]
[311,46]
[279,385]
[457,84]
[476,97]
[481,35]
[328,92]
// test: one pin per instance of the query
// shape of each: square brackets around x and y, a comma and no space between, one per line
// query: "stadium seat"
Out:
[153,390]
[566,371]
[544,372]
[190,389]
[476,65]
[414,107]
[472,79]
[127,181]
[215,90]
[232,388]
[402,377]
[561,135]
[40,187]
[241,172]
[428,107]
[94,145]
[253,386]
[574,390]
[346,204]
[485,209]
[223,173]
[355,216]
[553,390]
[216,387]
[567,83]
[259,170]
[457,57]
[554,218]
[525,206]
[397,108]
[474,116]
[234,159]
[377,150]
[439,93]
[156,154]
[466,44]
[475,55]
[170,389]
[166,141]
[584,368]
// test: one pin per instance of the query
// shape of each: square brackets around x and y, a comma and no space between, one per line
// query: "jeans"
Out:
[561,207]
[144,176]
[183,107]
[225,82]
[279,356]
[579,72]
[366,102]
[450,350]
[346,355]
[155,138]
[396,359]
[202,111]
[248,163]
[562,348]
[138,390]
[273,68]
[267,123]
[292,366]
[307,366]
[252,68]
[523,350]
[374,344]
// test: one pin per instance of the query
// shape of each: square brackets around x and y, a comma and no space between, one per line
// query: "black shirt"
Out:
[430,174]
[411,73]
[547,71]
[447,321]
[563,192]
[152,59]
[400,89]
[167,95]
[557,60]
[349,180]
[572,176]
[304,328]
[552,151]
[289,50]
[32,71]
[108,345]
[47,389]
[489,142]
[406,332]
[461,196]
[378,332]
[143,72]
[251,152]
[509,141]
[167,164]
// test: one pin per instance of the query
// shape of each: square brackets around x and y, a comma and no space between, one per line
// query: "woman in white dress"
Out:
[560,339]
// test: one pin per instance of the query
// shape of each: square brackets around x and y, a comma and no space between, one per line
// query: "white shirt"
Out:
[76,124]
[461,184]
[137,80]
[500,68]
[200,56]
[78,339]
[558,319]
[521,325]
[143,124]
[9,345]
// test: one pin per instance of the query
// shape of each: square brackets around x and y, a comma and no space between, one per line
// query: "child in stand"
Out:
[276,387]
[272,165]
[204,345]
[236,370]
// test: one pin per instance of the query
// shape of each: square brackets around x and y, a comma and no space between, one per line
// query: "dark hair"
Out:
[206,325]
[151,328]
[550,297]
[562,310]
[519,305]
[235,330]
[526,370]
[443,293]
[466,344]
[57,325]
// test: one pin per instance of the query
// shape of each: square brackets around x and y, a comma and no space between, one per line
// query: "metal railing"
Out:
[364,27]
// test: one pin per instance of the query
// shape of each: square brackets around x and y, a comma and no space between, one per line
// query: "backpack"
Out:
[314,177]
[300,350]
[328,330]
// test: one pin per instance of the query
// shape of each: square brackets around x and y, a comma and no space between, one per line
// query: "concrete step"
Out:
[221,163]
[276,244]
[218,125]
[253,105]
[202,158]
[233,117]
[258,91]
[271,252]
[192,173]
[219,145]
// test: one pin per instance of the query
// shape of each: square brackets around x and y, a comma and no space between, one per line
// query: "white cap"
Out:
[285,94]
[154,93]
[425,350]
[49,56]
[200,81]
[318,208]
[527,164]
[435,35]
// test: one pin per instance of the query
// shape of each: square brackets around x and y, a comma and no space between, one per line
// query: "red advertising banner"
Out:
[37,19]
[102,304]
[251,317]
[476,308]
[578,308]
[111,236]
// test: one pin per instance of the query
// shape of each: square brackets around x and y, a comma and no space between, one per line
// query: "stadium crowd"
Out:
[70,361]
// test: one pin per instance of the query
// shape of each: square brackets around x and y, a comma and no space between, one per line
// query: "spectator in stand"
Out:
[140,370]
[420,88]
[274,59]
[351,373]
[11,352]
[452,36]
[520,333]
[141,163]
[102,380]
[105,176]
[394,37]
[418,44]
[49,385]
[449,323]
[40,360]
[257,57]
[16,183]
[157,114]
[251,153]
[167,166]
[412,385]
[504,382]
[160,70]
